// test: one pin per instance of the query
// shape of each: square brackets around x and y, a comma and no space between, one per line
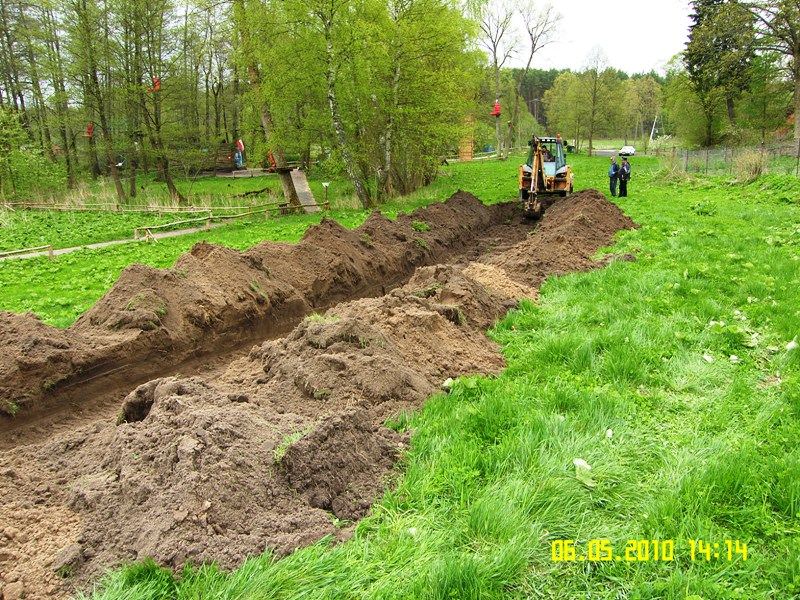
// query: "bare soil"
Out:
[276,447]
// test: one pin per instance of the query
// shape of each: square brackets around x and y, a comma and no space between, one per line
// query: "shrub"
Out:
[672,171]
[749,165]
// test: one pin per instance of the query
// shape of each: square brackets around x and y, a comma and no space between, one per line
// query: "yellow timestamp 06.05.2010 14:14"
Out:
[602,550]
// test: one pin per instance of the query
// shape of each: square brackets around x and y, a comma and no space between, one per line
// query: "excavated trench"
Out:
[215,301]
[236,452]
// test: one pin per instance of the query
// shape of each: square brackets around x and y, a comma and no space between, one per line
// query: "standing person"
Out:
[613,175]
[624,177]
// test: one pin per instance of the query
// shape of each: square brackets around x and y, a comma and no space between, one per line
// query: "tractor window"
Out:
[561,160]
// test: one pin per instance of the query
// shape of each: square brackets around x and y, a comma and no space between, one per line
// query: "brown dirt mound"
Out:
[572,230]
[215,296]
[203,471]
[290,440]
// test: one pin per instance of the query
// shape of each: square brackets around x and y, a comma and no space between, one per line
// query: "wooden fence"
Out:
[48,248]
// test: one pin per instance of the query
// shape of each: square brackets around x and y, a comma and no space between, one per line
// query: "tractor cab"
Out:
[554,159]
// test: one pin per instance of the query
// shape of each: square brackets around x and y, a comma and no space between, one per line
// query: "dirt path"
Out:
[223,459]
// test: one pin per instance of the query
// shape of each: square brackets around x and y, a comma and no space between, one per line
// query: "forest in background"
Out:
[376,91]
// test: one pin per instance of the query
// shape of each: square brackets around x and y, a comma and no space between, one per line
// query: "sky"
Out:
[634,35]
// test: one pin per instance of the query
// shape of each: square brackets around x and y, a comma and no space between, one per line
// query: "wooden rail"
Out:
[48,247]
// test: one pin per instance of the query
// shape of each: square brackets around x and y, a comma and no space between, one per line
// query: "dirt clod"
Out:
[14,591]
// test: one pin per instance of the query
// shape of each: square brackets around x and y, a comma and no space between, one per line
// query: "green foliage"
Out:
[764,102]
[697,120]
[280,450]
[12,137]
[64,229]
[402,91]
[597,102]
[34,176]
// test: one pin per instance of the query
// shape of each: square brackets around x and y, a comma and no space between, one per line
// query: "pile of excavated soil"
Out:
[570,233]
[214,296]
[289,441]
[202,470]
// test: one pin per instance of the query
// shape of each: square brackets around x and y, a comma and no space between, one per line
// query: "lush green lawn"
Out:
[62,289]
[673,376]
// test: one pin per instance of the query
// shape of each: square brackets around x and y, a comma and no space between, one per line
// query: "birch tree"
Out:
[498,37]
[540,28]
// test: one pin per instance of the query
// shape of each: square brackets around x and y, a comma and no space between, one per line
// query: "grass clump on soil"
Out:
[749,165]
[322,318]
[256,288]
[280,450]
[400,422]
[420,226]
[673,376]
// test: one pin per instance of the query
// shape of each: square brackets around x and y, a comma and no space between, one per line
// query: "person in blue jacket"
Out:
[624,177]
[613,175]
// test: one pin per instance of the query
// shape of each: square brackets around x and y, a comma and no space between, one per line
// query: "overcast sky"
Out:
[634,35]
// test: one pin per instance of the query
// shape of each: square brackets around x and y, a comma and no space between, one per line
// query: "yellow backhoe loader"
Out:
[545,175]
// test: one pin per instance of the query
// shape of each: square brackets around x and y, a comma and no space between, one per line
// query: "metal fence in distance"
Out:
[782,158]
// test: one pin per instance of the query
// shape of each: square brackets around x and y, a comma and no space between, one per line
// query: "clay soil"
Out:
[236,403]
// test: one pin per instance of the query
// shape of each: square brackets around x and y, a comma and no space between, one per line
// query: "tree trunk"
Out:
[385,187]
[97,96]
[497,129]
[134,121]
[153,126]
[729,104]
[62,107]
[39,103]
[235,105]
[108,142]
[94,162]
[254,75]
[362,192]
[15,91]
[796,72]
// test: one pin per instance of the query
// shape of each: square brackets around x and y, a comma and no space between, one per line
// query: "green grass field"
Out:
[675,377]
